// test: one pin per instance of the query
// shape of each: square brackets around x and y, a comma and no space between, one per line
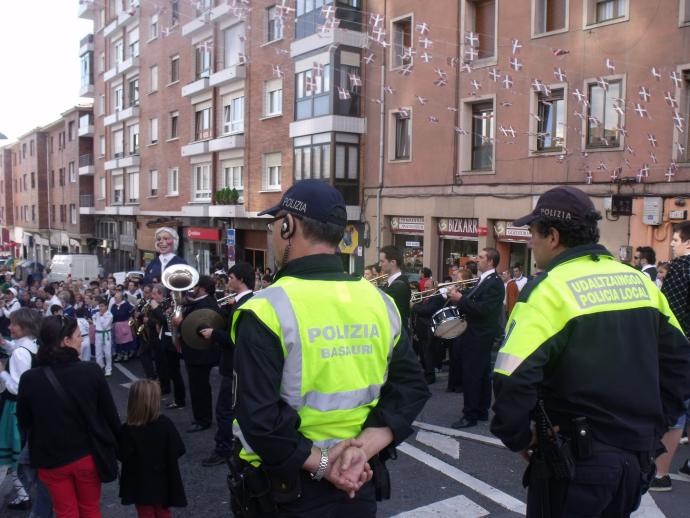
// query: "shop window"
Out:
[550,15]
[604,115]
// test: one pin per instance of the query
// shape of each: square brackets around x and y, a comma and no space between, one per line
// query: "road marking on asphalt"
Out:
[458,506]
[648,508]
[124,370]
[484,489]
[493,441]
[443,443]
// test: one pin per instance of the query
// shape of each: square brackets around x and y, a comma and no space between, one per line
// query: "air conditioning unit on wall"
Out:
[653,210]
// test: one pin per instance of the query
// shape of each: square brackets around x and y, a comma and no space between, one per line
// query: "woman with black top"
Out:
[62,428]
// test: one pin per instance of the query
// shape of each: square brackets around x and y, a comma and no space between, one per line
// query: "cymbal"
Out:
[197,320]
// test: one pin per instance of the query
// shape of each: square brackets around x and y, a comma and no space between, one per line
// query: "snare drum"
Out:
[448,323]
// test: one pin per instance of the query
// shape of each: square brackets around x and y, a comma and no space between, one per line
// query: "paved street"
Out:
[440,471]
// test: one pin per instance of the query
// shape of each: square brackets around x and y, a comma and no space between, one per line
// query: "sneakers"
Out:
[174,406]
[19,504]
[661,484]
[684,471]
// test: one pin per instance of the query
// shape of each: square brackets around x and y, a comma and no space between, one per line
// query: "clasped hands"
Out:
[348,466]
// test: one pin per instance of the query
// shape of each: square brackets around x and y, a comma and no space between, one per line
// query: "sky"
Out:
[39,62]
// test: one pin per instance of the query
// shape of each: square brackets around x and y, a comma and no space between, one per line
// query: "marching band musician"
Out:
[166,243]
[482,307]
[423,312]
[240,281]
[147,353]
[398,287]
[168,364]
[199,362]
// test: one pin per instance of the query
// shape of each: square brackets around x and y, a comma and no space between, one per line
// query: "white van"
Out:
[79,266]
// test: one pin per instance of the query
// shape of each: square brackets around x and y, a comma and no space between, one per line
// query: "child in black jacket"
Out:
[149,447]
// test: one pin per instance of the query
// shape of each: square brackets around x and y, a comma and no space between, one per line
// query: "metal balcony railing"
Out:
[85,160]
[86,200]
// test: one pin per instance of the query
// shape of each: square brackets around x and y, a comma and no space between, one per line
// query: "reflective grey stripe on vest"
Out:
[237,432]
[507,362]
[291,385]
[396,323]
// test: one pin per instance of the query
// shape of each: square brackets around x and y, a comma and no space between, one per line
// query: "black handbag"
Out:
[104,455]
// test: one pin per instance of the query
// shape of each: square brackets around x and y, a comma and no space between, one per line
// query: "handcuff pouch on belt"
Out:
[256,491]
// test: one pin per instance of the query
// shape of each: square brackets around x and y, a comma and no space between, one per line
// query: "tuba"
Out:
[178,278]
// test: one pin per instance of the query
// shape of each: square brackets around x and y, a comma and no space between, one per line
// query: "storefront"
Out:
[202,248]
[511,243]
[459,242]
[408,236]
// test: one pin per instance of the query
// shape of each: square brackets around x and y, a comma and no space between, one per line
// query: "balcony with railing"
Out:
[86,128]
[86,167]
[87,9]
[86,206]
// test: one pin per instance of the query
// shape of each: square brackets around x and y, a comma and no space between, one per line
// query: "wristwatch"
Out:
[323,466]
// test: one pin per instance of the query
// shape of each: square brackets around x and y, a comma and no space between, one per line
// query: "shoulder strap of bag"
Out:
[48,371]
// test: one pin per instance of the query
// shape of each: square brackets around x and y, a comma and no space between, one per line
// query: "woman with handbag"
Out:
[66,409]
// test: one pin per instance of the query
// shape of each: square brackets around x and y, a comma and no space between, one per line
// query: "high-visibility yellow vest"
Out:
[574,290]
[337,339]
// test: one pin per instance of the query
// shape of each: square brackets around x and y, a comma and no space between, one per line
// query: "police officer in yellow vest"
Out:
[326,378]
[595,341]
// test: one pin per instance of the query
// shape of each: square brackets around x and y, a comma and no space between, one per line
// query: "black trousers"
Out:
[606,485]
[323,500]
[200,393]
[476,381]
[171,358]
[224,417]
[146,356]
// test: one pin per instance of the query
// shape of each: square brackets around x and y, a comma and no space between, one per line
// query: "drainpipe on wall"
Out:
[382,132]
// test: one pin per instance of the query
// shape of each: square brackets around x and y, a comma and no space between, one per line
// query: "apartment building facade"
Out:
[7,243]
[484,104]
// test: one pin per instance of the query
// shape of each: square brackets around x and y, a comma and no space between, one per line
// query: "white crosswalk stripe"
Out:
[457,507]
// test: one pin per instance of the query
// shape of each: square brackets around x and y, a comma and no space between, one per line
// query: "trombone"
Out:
[419,296]
[379,280]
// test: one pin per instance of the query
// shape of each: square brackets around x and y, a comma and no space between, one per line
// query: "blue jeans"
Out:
[42,505]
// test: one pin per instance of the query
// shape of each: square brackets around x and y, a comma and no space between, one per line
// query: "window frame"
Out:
[72,173]
[153,131]
[227,177]
[201,194]
[203,60]
[535,124]
[323,89]
[174,69]
[269,88]
[231,124]
[153,79]
[173,124]
[203,117]
[468,15]
[589,14]
[585,122]
[476,149]
[173,180]
[278,27]
[133,184]
[465,139]
[566,28]
[120,179]
[272,167]
[396,60]
[395,116]
[153,181]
